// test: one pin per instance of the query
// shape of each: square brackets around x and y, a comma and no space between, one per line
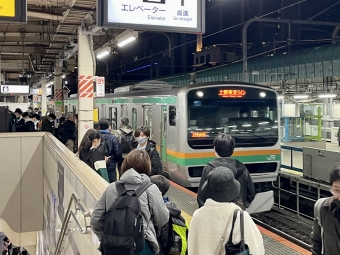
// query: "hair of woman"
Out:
[89,136]
[138,160]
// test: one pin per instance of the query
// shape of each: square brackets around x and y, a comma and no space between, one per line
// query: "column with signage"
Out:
[85,85]
[43,97]
[58,89]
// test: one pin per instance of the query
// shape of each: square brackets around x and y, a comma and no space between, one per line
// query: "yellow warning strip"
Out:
[187,217]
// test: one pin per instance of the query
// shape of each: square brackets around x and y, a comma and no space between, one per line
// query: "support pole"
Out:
[43,97]
[199,42]
[85,83]
[58,89]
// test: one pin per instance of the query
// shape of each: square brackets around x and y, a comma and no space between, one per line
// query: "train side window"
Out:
[113,117]
[172,115]
[146,116]
[134,118]
[125,111]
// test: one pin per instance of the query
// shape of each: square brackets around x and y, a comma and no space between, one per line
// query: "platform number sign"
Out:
[100,86]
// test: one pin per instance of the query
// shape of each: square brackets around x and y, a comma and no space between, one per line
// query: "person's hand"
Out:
[107,158]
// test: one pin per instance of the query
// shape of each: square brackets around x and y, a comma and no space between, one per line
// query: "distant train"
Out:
[184,122]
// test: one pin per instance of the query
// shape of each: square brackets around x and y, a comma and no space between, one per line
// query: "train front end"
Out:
[247,112]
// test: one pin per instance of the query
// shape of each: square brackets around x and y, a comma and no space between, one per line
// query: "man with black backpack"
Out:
[110,147]
[125,137]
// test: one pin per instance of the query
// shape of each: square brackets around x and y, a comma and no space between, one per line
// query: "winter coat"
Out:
[20,125]
[330,218]
[208,225]
[247,193]
[69,128]
[156,163]
[153,208]
[90,157]
[46,125]
[29,125]
[163,233]
[113,148]
[126,147]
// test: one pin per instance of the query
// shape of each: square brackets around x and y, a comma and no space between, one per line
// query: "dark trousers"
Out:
[112,175]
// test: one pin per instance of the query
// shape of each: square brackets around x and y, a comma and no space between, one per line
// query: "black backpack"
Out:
[126,140]
[123,225]
[102,148]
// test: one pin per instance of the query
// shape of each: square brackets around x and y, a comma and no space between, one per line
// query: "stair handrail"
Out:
[69,214]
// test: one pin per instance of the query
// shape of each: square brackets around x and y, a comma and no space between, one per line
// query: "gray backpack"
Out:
[317,215]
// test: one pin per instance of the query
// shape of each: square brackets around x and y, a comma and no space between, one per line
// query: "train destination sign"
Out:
[13,11]
[232,93]
[160,15]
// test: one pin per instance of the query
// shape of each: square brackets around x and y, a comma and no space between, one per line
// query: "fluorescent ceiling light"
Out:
[103,53]
[300,96]
[327,96]
[280,97]
[126,37]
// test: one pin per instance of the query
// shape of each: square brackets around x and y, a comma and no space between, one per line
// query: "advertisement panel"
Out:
[15,89]
[13,11]
[100,86]
[161,15]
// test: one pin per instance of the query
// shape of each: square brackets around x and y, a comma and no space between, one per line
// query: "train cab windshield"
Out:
[249,114]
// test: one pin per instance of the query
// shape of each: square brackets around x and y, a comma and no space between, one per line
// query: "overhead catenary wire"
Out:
[217,32]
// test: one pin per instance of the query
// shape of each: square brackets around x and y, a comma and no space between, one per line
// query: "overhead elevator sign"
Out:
[13,11]
[182,16]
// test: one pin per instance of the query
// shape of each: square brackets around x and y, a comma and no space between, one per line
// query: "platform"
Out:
[274,244]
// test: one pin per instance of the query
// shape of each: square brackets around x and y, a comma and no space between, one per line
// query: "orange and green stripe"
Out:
[201,158]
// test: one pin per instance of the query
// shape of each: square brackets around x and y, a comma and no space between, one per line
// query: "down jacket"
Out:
[156,210]
[247,193]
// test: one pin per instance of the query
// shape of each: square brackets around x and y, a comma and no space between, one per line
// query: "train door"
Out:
[113,117]
[164,127]
[74,109]
[134,118]
[147,118]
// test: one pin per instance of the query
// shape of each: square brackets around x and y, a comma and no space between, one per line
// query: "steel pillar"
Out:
[43,97]
[58,89]
[85,83]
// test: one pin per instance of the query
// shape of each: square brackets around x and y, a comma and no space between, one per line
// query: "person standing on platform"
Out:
[12,121]
[68,138]
[224,147]
[36,119]
[125,137]
[29,124]
[20,122]
[339,136]
[217,225]
[142,135]
[47,123]
[326,230]
[110,146]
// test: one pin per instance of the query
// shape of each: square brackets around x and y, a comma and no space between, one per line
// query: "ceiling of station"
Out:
[50,33]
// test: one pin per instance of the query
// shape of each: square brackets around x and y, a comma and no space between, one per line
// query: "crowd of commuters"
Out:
[134,215]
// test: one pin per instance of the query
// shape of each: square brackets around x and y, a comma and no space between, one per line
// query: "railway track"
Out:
[282,234]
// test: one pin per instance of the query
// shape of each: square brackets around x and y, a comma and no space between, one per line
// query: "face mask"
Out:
[51,120]
[142,140]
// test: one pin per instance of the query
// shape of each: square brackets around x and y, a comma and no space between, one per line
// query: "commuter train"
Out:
[184,121]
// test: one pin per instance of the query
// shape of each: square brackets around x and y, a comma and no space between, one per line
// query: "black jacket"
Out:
[46,125]
[330,219]
[164,233]
[91,156]
[113,148]
[156,164]
[29,126]
[247,193]
[69,128]
[20,125]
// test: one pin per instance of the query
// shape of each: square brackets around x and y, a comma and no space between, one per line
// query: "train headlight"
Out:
[200,94]
[262,94]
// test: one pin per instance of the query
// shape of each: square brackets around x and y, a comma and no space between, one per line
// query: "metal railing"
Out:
[70,213]
[291,149]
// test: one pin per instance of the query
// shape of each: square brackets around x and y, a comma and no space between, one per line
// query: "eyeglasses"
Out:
[334,192]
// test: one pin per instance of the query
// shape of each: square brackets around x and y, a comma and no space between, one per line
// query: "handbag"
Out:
[101,169]
[241,248]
